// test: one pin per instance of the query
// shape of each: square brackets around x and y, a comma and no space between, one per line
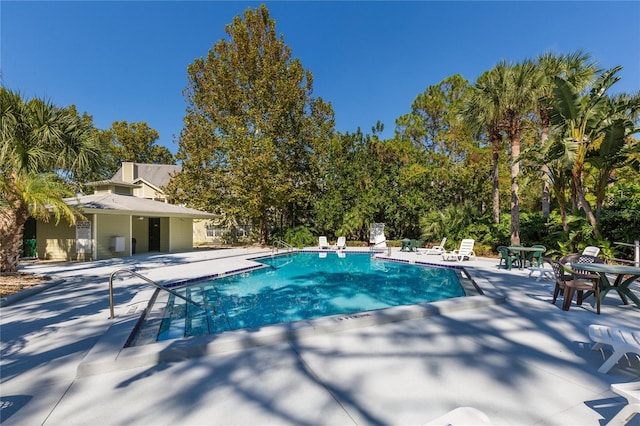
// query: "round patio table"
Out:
[620,284]
[521,253]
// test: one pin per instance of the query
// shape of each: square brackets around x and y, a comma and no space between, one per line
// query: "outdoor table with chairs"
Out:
[524,254]
[572,278]
[620,284]
[410,245]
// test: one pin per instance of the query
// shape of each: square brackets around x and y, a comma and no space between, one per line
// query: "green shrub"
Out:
[621,216]
[300,237]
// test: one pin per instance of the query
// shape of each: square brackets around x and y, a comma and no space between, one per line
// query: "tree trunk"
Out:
[582,201]
[496,189]
[563,215]
[546,187]
[264,233]
[11,229]
[562,205]
[546,192]
[515,200]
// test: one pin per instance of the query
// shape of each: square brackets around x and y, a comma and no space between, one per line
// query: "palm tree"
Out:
[521,82]
[482,111]
[576,67]
[40,145]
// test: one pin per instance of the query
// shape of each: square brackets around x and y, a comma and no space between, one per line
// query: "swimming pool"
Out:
[301,286]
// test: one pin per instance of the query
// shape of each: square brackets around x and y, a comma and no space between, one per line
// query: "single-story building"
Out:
[117,223]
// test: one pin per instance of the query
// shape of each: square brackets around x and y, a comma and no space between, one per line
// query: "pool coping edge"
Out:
[104,357]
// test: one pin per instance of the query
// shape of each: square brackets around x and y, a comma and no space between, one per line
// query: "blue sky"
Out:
[127,60]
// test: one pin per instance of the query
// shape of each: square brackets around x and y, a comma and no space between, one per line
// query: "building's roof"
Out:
[158,175]
[113,182]
[135,206]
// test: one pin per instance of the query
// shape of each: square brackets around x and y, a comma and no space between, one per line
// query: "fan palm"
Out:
[40,144]
[482,111]
[521,82]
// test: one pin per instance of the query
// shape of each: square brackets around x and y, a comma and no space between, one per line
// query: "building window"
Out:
[213,232]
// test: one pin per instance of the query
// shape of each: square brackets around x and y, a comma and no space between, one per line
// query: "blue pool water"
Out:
[304,286]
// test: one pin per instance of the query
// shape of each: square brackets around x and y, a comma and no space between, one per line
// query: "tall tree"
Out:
[136,142]
[251,127]
[518,102]
[101,170]
[41,144]
[577,68]
[583,121]
[483,112]
[432,123]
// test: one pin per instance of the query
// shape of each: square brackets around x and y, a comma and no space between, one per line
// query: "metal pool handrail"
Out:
[153,283]
[636,257]
[284,244]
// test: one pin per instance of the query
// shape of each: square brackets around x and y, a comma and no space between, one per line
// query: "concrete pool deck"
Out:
[522,362]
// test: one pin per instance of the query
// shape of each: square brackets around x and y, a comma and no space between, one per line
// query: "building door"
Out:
[29,238]
[154,234]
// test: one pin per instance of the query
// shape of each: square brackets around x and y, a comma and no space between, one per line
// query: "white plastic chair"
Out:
[433,250]
[631,391]
[465,251]
[622,340]
[591,251]
[322,242]
[377,238]
[342,243]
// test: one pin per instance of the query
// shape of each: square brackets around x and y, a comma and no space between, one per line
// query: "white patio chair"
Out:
[622,340]
[323,243]
[630,391]
[465,251]
[377,238]
[591,251]
[433,250]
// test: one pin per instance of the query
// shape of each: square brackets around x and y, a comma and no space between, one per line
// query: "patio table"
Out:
[620,284]
[520,252]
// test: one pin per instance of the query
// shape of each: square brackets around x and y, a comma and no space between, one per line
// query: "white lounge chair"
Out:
[322,243]
[433,250]
[630,391]
[622,340]
[377,238]
[591,251]
[465,251]
[342,243]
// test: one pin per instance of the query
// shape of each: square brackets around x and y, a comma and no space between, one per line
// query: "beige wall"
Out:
[112,189]
[200,232]
[145,191]
[59,242]
[110,226]
[55,242]
[140,231]
[127,172]
[181,234]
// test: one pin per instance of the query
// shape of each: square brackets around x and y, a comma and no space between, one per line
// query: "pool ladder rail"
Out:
[155,284]
[284,244]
